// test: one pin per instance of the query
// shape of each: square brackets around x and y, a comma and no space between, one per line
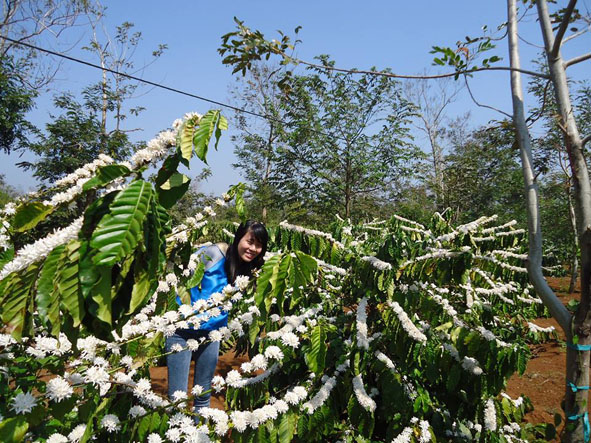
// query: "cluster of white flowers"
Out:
[405,220]
[437,253]
[23,403]
[294,323]
[5,242]
[386,360]
[59,389]
[424,426]
[182,427]
[509,254]
[155,149]
[498,228]
[253,419]
[361,325]
[111,423]
[85,171]
[324,392]
[377,263]
[285,225]
[417,230]
[469,364]
[500,263]
[474,225]
[442,301]
[331,268]
[489,336]
[407,324]
[8,209]
[517,403]
[364,400]
[38,250]
[44,345]
[490,416]
[404,436]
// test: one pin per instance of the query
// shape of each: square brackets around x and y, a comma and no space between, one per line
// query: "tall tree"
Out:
[347,139]
[256,145]
[73,138]
[15,101]
[432,98]
[26,21]
[115,53]
[577,327]
[482,173]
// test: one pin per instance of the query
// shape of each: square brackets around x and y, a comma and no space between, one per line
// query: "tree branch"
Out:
[585,140]
[480,104]
[575,60]
[563,27]
[414,77]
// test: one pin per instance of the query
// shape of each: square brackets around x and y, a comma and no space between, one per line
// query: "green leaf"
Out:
[148,424]
[6,256]
[173,189]
[169,167]
[67,283]
[279,282]
[264,280]
[48,301]
[209,123]
[186,141]
[119,231]
[315,357]
[28,215]
[287,426]
[13,429]
[222,126]
[141,288]
[95,284]
[18,295]
[240,207]
[104,175]
[197,276]
[176,179]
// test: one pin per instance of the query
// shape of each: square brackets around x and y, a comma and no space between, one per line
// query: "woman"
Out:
[222,265]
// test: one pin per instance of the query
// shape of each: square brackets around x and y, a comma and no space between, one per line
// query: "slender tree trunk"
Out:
[348,185]
[436,152]
[575,257]
[267,173]
[577,361]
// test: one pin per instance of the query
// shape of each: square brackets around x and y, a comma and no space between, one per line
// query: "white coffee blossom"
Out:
[59,389]
[76,434]
[110,422]
[23,403]
[490,416]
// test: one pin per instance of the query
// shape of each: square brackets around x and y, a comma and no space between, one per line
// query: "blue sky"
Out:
[394,34]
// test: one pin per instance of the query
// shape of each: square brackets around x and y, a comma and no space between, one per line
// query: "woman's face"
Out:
[249,247]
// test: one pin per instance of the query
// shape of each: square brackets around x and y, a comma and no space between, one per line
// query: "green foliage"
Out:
[73,139]
[15,101]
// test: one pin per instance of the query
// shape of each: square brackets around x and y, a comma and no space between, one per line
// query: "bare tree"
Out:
[25,21]
[431,99]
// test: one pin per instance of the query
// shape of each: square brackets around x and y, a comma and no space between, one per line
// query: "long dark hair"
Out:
[235,266]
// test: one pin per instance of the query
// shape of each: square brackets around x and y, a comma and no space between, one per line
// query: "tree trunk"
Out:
[267,174]
[575,257]
[577,357]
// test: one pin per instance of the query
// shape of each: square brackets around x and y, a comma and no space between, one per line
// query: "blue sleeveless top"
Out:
[214,280]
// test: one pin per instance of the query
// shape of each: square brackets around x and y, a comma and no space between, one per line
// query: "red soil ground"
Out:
[543,381]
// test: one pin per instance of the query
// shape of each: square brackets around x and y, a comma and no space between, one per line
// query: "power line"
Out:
[148,82]
[161,86]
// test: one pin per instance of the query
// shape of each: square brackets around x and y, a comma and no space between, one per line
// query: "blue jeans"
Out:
[178,364]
